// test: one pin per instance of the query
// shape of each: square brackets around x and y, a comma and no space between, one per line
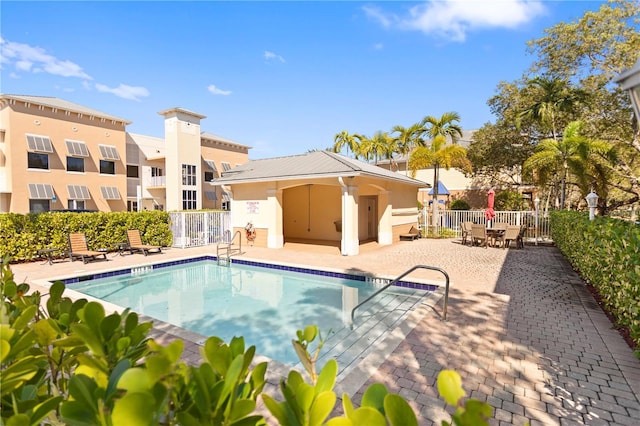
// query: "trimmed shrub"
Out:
[460,205]
[21,236]
[606,252]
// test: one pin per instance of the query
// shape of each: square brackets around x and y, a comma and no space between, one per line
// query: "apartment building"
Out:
[57,155]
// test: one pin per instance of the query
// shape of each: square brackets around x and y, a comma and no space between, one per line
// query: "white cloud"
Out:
[270,56]
[377,14]
[217,91]
[378,46]
[27,58]
[124,91]
[453,19]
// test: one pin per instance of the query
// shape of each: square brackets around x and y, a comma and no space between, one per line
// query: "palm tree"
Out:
[407,139]
[345,139]
[376,147]
[438,154]
[587,159]
[554,97]
[441,128]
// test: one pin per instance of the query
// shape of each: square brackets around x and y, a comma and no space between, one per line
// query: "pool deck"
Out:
[522,330]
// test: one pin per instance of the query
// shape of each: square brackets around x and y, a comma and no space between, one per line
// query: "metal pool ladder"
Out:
[228,249]
[404,274]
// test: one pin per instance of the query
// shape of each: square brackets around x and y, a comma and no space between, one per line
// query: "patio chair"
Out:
[78,249]
[520,240]
[135,243]
[479,235]
[466,232]
[511,234]
[411,235]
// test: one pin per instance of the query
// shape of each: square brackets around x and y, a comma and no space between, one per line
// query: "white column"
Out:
[350,245]
[385,228]
[275,236]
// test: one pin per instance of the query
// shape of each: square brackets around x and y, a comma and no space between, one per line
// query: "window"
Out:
[108,152]
[75,164]
[159,207]
[226,201]
[189,200]
[39,143]
[155,171]
[76,205]
[208,176]
[132,206]
[40,195]
[225,166]
[36,160]
[211,195]
[78,192]
[132,171]
[77,148]
[110,192]
[188,174]
[39,206]
[107,167]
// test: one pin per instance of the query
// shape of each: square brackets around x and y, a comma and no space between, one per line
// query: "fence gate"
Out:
[192,229]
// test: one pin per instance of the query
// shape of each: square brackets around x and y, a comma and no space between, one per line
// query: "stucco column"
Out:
[385,228]
[275,237]
[350,245]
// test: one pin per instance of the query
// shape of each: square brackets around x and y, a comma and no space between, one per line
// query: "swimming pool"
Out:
[263,304]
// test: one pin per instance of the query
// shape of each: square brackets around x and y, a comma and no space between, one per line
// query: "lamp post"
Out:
[630,81]
[536,203]
[592,202]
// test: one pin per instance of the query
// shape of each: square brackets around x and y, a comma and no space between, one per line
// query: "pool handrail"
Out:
[228,245]
[404,274]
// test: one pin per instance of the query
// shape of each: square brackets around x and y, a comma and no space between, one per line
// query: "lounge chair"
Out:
[135,243]
[78,249]
[479,235]
[411,235]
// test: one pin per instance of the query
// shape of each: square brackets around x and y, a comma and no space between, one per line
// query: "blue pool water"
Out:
[265,306]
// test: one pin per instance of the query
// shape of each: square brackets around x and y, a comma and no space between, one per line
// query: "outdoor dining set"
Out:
[499,235]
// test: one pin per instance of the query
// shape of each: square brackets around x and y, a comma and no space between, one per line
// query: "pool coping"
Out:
[350,377]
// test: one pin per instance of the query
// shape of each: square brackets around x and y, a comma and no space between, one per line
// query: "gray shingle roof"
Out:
[211,136]
[63,105]
[311,165]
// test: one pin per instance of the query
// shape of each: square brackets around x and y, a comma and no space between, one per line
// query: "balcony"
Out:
[155,182]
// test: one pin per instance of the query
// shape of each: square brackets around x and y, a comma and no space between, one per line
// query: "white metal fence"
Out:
[452,219]
[191,229]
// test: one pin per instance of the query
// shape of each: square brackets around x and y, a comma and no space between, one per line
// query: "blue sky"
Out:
[282,77]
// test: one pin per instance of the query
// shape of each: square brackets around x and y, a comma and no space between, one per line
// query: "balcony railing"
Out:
[156,181]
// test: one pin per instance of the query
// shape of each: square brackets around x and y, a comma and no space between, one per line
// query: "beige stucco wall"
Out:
[58,125]
[308,209]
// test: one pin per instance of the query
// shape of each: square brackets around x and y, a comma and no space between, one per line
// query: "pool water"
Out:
[264,305]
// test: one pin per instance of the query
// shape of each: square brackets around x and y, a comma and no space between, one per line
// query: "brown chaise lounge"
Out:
[135,243]
[78,248]
[411,235]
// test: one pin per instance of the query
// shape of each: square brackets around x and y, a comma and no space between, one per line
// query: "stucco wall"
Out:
[59,125]
[310,212]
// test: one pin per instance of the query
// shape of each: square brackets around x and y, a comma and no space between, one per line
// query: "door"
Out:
[368,218]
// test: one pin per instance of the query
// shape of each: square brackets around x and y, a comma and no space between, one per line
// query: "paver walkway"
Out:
[523,331]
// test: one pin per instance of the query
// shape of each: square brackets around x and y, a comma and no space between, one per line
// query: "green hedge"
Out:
[606,252]
[21,236]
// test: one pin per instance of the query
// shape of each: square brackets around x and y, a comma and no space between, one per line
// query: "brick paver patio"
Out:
[523,331]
